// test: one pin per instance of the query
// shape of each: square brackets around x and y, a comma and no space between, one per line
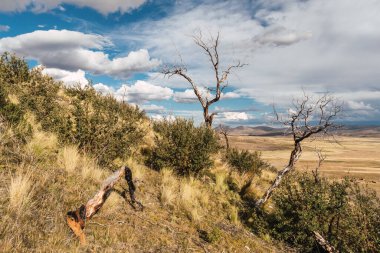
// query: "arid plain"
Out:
[358,157]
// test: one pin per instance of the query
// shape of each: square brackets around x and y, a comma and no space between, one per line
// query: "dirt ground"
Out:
[358,157]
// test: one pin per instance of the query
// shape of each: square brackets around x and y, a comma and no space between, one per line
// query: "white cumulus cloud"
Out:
[142,91]
[69,78]
[233,116]
[71,50]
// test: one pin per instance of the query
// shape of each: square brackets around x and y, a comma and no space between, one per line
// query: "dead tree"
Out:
[77,219]
[224,130]
[321,159]
[308,118]
[214,93]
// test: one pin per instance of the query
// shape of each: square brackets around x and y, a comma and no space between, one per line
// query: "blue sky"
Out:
[289,46]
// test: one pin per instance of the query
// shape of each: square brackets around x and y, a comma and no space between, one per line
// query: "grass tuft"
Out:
[20,193]
[90,169]
[69,158]
[168,187]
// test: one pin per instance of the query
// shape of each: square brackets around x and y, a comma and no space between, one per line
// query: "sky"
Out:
[288,46]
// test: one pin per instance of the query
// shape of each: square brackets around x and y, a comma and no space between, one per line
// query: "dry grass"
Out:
[352,156]
[42,145]
[192,199]
[49,194]
[138,170]
[168,188]
[220,181]
[90,169]
[69,158]
[20,193]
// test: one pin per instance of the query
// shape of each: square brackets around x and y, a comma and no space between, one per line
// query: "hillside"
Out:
[58,144]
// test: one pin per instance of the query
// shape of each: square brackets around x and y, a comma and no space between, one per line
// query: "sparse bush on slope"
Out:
[245,161]
[345,214]
[182,146]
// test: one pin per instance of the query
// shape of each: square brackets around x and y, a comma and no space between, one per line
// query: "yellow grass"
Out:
[69,158]
[20,193]
[42,145]
[352,156]
[90,169]
[220,181]
[138,170]
[168,187]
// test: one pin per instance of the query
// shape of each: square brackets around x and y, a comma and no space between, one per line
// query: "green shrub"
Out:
[245,161]
[10,112]
[13,70]
[182,146]
[103,126]
[98,124]
[345,214]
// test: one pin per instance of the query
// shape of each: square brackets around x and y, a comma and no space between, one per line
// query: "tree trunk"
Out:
[208,118]
[227,142]
[294,156]
[77,219]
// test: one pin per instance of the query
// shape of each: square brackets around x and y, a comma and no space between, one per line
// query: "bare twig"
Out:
[307,118]
[211,50]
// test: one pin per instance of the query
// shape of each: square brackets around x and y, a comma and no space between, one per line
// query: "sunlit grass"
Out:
[20,192]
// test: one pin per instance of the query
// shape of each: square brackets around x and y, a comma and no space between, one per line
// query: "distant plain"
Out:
[357,157]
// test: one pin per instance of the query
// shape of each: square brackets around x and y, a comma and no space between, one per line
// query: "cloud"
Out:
[151,108]
[280,36]
[104,7]
[4,28]
[274,38]
[230,95]
[353,105]
[70,50]
[104,89]
[70,78]
[188,95]
[233,116]
[142,92]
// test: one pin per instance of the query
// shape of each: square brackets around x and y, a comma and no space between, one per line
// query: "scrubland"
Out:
[58,143]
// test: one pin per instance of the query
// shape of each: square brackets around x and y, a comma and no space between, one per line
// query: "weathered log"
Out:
[324,243]
[77,219]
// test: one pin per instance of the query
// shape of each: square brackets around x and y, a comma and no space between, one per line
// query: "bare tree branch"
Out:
[224,130]
[307,118]
[210,48]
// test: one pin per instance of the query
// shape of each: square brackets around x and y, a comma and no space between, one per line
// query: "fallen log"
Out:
[76,220]
[323,243]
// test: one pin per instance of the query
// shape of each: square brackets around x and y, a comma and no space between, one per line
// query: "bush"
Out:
[245,161]
[345,214]
[98,124]
[103,126]
[182,146]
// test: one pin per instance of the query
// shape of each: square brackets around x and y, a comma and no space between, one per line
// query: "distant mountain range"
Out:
[354,131]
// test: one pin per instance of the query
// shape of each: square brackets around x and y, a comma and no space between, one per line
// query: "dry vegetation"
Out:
[58,145]
[354,156]
[180,214]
